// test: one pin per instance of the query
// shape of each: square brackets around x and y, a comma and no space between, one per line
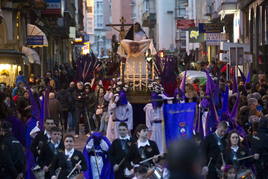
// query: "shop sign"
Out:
[214,39]
[35,40]
[195,36]
[53,7]
[185,24]
[210,27]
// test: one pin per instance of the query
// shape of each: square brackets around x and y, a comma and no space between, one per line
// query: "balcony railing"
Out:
[228,1]
[227,5]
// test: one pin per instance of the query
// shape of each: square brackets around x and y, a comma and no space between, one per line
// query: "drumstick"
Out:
[57,175]
[78,163]
[247,157]
[223,162]
[210,159]
[121,162]
[148,159]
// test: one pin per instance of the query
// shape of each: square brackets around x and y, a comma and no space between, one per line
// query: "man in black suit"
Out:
[213,146]
[40,146]
[56,143]
[142,149]
[12,157]
[119,150]
[67,160]
[260,145]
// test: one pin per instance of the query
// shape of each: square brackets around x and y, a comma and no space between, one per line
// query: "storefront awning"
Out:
[8,56]
[35,36]
[31,54]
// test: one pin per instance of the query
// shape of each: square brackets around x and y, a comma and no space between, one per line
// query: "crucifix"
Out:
[122,34]
[122,31]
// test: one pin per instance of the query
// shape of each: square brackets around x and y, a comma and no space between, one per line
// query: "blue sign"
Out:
[179,120]
[210,27]
[53,1]
[54,7]
[35,40]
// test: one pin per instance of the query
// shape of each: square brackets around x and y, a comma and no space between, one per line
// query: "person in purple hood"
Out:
[96,155]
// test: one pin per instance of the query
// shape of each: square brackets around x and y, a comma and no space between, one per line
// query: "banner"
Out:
[179,120]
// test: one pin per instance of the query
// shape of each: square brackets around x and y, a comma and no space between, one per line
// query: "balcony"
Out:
[148,19]
[227,6]
[243,3]
[132,3]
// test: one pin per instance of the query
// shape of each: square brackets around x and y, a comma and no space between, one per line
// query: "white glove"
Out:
[89,145]
[104,146]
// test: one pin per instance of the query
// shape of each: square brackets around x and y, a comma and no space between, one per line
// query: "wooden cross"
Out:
[122,31]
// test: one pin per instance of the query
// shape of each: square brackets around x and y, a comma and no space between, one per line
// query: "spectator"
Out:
[90,106]
[21,78]
[54,109]
[24,107]
[80,107]
[64,99]
[71,106]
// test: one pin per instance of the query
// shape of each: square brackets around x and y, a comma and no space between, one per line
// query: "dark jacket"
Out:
[212,148]
[21,105]
[231,157]
[260,145]
[64,98]
[79,96]
[135,153]
[90,101]
[71,99]
[41,151]
[60,161]
[54,109]
[118,153]
[7,166]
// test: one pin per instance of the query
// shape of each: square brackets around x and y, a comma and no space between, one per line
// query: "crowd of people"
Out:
[235,147]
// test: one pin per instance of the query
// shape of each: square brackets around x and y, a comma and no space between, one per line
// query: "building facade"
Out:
[254,30]
[38,34]
[13,30]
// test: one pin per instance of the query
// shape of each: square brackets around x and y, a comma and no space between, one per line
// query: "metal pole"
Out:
[98,44]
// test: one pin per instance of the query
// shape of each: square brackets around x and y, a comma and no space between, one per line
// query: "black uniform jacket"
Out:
[65,165]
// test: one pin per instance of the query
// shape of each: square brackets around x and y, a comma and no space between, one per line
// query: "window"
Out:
[99,21]
[90,9]
[99,7]
[182,34]
[182,12]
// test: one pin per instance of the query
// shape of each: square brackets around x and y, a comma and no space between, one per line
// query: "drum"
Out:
[76,177]
[128,173]
[38,172]
[157,173]
[245,174]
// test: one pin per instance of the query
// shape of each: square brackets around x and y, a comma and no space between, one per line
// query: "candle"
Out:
[146,75]
[133,75]
[127,73]
[121,70]
[152,70]
[140,75]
